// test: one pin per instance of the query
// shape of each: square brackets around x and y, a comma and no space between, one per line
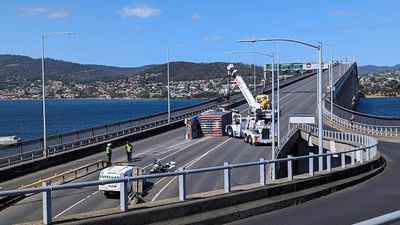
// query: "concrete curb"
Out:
[236,205]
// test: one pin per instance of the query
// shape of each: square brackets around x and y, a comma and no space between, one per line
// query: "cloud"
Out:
[196,16]
[39,10]
[59,14]
[139,10]
[338,13]
[32,11]
[212,38]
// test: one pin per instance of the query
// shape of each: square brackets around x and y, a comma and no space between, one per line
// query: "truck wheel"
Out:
[230,132]
[250,140]
[245,138]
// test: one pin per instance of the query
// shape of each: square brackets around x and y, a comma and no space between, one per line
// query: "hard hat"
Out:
[109,144]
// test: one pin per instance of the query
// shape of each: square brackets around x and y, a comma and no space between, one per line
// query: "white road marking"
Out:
[72,206]
[187,166]
[82,200]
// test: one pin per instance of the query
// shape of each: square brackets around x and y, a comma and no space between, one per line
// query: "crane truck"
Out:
[255,128]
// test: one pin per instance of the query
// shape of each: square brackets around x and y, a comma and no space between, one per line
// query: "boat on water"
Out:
[9,140]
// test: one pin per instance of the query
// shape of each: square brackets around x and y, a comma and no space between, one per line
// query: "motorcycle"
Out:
[158,167]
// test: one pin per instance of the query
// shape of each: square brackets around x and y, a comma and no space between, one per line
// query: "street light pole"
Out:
[254,77]
[168,85]
[43,36]
[331,81]
[319,48]
[278,100]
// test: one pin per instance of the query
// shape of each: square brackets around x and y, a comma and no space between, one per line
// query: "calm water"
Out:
[380,106]
[24,117]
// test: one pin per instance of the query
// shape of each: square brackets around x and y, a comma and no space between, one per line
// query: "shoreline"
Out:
[380,96]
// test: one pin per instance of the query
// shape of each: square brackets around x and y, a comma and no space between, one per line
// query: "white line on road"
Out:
[72,206]
[187,166]
[82,200]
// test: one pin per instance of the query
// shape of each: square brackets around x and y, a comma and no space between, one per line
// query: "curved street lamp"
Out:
[319,83]
[43,36]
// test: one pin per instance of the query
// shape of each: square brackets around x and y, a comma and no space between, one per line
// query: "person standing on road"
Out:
[109,152]
[128,148]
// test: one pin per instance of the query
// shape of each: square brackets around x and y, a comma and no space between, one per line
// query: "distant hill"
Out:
[29,68]
[180,71]
[364,70]
[26,67]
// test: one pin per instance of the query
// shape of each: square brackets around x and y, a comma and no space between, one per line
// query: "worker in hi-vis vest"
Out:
[128,148]
[109,152]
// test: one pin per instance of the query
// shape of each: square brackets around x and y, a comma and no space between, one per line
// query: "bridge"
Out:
[155,138]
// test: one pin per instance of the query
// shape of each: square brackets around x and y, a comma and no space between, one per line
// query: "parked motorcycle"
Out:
[159,167]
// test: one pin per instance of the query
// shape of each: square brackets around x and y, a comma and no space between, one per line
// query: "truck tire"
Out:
[250,140]
[230,132]
[245,138]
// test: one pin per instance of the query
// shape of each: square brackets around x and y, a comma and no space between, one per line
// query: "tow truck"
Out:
[255,128]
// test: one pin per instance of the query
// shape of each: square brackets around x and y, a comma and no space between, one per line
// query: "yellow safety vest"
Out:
[128,147]
[108,150]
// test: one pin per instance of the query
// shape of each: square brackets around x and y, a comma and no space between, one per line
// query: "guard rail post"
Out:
[123,196]
[182,185]
[367,154]
[361,155]
[262,172]
[46,203]
[328,162]
[289,168]
[311,164]
[343,160]
[227,178]
[352,154]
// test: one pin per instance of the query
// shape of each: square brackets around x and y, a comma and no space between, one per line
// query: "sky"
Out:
[136,33]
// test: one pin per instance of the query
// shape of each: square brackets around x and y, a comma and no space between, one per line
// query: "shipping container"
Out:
[213,123]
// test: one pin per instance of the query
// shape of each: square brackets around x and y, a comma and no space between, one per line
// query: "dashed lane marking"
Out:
[187,166]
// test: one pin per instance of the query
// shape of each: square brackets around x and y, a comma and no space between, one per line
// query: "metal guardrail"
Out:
[71,141]
[69,175]
[360,122]
[368,152]
[384,131]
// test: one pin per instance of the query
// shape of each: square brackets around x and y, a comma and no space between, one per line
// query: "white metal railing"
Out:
[366,152]
[378,130]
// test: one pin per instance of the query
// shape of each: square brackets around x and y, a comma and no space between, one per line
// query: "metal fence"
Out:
[75,140]
[367,152]
[359,122]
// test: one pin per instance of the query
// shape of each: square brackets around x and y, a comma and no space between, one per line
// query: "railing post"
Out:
[343,160]
[227,178]
[367,154]
[262,172]
[361,156]
[182,185]
[46,201]
[352,154]
[311,164]
[123,193]
[289,168]
[328,162]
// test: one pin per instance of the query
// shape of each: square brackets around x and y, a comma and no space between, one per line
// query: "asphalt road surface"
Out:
[296,99]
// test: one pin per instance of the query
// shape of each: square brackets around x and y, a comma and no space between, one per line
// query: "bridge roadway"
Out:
[296,99]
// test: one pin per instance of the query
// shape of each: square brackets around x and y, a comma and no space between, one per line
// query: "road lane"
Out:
[165,145]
